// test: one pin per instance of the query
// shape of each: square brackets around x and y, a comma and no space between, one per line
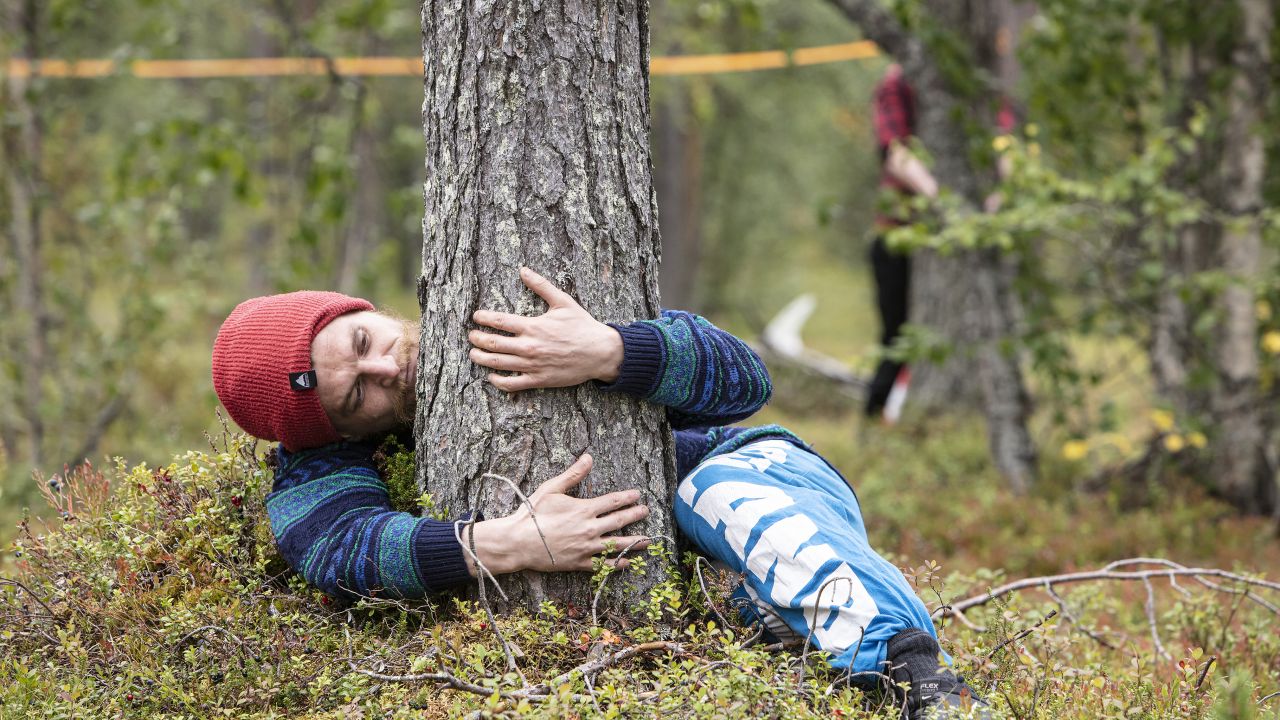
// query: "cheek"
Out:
[383,407]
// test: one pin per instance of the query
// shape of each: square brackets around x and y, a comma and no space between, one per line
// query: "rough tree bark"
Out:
[536,121]
[1242,431]
[966,296]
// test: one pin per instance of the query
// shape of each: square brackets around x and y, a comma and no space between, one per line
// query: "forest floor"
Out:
[161,595]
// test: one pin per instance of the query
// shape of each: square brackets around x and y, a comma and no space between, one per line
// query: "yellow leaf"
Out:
[1174,443]
[1197,440]
[1075,450]
[1271,342]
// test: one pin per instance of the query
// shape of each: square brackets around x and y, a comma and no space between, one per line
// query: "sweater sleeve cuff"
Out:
[441,564]
[643,359]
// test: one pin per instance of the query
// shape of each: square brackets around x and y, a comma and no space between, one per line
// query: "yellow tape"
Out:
[412,66]
[714,64]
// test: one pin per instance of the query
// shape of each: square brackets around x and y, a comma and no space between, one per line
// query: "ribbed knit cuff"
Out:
[643,359]
[441,564]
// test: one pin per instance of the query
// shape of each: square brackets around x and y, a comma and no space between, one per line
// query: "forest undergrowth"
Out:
[158,592]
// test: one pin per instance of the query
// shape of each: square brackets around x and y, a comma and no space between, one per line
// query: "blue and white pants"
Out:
[784,518]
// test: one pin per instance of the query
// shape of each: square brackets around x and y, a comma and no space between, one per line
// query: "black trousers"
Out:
[892,273]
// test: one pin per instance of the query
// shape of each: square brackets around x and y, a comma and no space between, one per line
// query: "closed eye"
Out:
[362,349]
[359,345]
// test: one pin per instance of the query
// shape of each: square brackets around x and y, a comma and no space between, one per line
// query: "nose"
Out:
[382,369]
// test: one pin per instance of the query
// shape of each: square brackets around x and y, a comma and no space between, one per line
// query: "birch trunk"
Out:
[536,122]
[1242,429]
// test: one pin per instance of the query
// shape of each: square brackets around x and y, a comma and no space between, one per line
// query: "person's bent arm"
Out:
[702,374]
[903,166]
[333,523]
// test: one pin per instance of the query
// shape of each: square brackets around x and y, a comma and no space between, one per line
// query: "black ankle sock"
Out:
[913,654]
[912,657]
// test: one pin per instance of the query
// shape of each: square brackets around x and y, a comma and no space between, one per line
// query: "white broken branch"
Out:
[781,337]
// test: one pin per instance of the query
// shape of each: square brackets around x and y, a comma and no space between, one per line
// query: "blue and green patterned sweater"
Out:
[331,514]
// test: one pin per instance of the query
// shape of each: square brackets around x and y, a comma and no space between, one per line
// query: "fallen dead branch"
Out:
[781,339]
[1166,569]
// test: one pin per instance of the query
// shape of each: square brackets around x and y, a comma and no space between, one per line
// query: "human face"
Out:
[366,367]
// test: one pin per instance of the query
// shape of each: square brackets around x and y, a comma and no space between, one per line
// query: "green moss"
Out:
[395,463]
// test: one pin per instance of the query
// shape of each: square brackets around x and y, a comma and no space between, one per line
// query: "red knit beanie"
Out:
[262,366]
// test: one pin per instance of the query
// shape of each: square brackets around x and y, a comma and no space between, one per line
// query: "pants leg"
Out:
[787,520]
[892,274]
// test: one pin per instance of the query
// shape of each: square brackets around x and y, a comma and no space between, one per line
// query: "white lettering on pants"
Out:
[848,607]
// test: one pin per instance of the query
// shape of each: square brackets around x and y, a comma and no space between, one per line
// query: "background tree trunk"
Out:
[1213,376]
[1242,429]
[363,228]
[677,179]
[967,297]
[22,153]
[536,122]
[259,237]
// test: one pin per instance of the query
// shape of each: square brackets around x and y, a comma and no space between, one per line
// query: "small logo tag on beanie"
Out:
[303,381]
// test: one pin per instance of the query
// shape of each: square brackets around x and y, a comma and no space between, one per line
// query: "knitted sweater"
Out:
[330,511]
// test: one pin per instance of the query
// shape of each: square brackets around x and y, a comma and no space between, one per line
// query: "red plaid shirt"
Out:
[895,110]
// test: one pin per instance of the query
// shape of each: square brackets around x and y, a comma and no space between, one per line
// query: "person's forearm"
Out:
[903,166]
[333,523]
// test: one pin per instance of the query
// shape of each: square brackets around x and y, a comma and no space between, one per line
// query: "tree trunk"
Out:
[536,126]
[1241,428]
[362,230]
[966,297]
[678,181]
[260,238]
[22,151]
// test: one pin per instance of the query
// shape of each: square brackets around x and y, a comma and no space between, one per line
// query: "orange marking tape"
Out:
[412,66]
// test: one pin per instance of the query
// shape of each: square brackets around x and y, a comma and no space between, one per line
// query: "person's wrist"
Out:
[612,356]
[495,546]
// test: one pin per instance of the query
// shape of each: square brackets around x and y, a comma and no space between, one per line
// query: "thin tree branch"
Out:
[1066,612]
[1067,578]
[1020,635]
